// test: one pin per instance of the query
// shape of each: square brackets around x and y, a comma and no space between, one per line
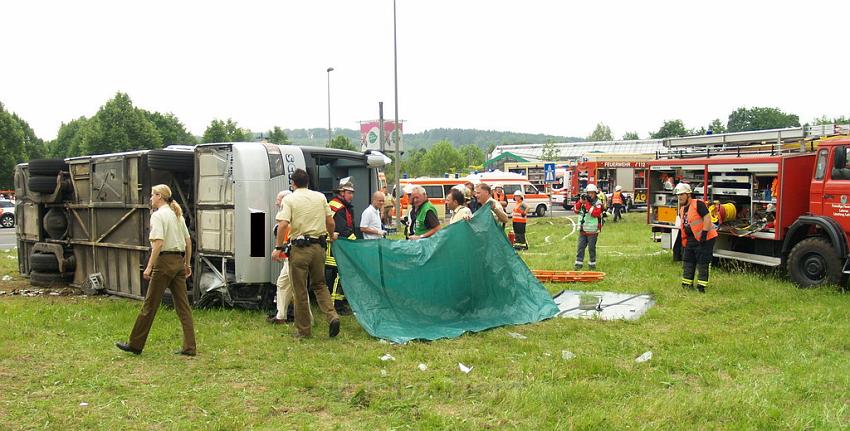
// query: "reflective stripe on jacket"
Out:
[695,221]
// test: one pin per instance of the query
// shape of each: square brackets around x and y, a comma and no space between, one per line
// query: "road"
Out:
[7,238]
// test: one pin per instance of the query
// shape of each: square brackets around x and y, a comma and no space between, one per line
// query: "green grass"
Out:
[754,352]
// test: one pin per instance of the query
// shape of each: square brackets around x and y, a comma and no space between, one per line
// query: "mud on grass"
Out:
[754,352]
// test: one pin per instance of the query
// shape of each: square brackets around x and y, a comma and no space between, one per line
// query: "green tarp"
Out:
[467,277]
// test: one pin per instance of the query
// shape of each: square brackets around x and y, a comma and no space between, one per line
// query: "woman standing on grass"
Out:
[168,266]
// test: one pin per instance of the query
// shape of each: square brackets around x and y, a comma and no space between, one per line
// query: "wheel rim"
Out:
[814,266]
[6,222]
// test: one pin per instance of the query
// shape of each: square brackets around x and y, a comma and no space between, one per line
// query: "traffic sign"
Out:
[549,172]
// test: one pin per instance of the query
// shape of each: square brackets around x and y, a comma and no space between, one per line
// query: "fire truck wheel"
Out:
[47,167]
[814,262]
[44,262]
[171,160]
[42,184]
[541,210]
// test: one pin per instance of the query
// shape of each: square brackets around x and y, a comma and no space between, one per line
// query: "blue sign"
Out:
[549,172]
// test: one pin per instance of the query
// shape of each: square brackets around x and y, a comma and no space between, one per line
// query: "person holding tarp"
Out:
[698,238]
[455,203]
[484,196]
[589,209]
[422,221]
[168,266]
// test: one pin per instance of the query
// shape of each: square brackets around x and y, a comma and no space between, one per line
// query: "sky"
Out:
[533,66]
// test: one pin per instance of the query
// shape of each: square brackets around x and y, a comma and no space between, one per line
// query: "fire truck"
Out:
[607,171]
[778,197]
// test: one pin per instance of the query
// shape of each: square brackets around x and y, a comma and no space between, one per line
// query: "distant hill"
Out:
[458,137]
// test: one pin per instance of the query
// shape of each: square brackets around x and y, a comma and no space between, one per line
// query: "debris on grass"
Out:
[6,278]
[644,357]
[84,404]
[423,367]
[567,355]
[464,368]
[387,357]
[517,336]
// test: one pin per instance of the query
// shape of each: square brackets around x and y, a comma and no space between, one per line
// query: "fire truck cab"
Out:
[779,198]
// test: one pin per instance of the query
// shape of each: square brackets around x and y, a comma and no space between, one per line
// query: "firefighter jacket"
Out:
[519,216]
[617,198]
[694,221]
[343,216]
[589,216]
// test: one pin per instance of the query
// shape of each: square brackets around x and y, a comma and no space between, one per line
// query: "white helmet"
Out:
[591,188]
[682,188]
[519,193]
[618,188]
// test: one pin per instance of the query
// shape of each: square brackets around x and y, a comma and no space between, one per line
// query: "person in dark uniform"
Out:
[698,237]
[344,222]
[168,266]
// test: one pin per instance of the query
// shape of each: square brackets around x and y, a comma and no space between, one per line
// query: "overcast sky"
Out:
[555,67]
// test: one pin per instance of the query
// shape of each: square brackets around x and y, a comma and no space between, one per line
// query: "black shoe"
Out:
[185,353]
[701,289]
[126,347]
[344,310]
[333,328]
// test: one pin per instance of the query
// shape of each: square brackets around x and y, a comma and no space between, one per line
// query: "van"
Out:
[438,188]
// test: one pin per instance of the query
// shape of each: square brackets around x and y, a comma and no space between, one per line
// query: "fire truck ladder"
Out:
[772,142]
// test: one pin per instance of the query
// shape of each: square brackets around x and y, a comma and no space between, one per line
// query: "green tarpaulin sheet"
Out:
[467,277]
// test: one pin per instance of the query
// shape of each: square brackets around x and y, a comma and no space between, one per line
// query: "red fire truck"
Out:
[607,171]
[778,197]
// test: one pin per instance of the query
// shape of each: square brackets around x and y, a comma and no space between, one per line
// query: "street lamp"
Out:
[396,133]
[330,69]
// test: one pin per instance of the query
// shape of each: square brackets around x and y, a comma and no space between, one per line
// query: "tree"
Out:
[759,118]
[442,158]
[68,140]
[172,131]
[414,163]
[224,131]
[670,129]
[601,133]
[118,126]
[278,136]
[343,143]
[716,127]
[471,155]
[823,119]
[12,147]
[630,136]
[550,152]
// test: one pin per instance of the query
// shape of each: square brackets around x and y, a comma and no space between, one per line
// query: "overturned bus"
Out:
[85,220]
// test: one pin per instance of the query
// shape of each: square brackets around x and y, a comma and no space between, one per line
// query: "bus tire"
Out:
[42,184]
[814,262]
[47,167]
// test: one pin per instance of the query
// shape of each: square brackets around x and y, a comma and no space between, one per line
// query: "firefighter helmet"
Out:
[682,188]
[345,184]
[591,188]
[618,188]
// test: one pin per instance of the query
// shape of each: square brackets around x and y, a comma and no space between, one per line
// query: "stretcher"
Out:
[568,276]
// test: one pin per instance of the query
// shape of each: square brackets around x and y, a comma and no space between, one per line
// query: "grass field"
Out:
[754,352]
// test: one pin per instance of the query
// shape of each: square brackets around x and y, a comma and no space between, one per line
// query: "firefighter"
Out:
[519,219]
[698,238]
[344,228]
[499,196]
[617,201]
[589,209]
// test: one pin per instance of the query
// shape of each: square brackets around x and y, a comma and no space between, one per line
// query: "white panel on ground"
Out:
[603,305]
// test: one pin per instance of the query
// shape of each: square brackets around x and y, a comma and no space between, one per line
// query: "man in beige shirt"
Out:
[310,218]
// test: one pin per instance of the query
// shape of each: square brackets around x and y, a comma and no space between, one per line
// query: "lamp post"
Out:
[396,133]
[330,69]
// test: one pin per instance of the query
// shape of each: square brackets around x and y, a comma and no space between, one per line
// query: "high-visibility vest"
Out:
[518,216]
[695,222]
[617,198]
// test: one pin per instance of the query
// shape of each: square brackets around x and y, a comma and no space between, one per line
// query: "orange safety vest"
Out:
[694,220]
[617,198]
[500,198]
[519,213]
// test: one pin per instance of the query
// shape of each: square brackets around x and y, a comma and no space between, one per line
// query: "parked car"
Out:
[7,213]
